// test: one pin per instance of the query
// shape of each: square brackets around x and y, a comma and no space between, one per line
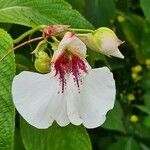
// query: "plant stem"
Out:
[28,33]
[81,30]
[20,45]
[54,38]
[81,35]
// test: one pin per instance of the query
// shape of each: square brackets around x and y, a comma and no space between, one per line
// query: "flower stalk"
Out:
[81,30]
[29,32]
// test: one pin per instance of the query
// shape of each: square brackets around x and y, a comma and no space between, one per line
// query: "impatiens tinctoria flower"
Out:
[103,40]
[71,93]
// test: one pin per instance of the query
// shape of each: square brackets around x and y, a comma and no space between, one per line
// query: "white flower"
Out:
[71,93]
[103,40]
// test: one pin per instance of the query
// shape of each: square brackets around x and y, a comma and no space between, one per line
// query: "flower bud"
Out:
[131,97]
[136,69]
[134,118]
[135,76]
[42,62]
[54,30]
[147,62]
[120,19]
[103,40]
[42,45]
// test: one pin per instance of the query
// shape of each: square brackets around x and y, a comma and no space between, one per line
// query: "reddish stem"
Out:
[20,45]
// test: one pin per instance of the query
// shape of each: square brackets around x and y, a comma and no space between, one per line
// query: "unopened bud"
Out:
[134,118]
[147,62]
[120,19]
[54,30]
[42,62]
[42,59]
[136,69]
[103,40]
[42,45]
[135,76]
[130,97]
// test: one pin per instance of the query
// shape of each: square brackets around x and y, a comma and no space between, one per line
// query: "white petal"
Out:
[109,46]
[36,98]
[71,43]
[98,97]
[108,43]
[77,47]
[116,53]
[73,102]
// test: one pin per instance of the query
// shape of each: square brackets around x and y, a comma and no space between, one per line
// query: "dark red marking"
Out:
[69,64]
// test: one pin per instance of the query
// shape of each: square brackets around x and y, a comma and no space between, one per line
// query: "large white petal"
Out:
[37,99]
[94,98]
[73,102]
[74,96]
[98,97]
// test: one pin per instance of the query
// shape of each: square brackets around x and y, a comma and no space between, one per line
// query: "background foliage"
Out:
[128,125]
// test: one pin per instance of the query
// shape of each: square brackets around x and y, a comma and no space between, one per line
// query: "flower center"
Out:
[69,64]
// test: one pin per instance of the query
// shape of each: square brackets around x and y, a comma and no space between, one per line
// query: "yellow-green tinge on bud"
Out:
[42,59]
[42,62]
[103,40]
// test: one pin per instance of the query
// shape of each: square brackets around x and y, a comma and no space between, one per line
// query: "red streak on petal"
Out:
[69,35]
[73,65]
[119,42]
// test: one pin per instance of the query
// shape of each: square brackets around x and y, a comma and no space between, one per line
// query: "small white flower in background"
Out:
[71,93]
[103,40]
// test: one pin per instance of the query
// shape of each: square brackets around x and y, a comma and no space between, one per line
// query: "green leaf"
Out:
[101,12]
[145,7]
[146,121]
[132,144]
[143,109]
[23,64]
[145,46]
[134,34]
[144,147]
[124,143]
[36,12]
[18,145]
[95,56]
[146,98]
[55,138]
[78,5]
[7,113]
[142,131]
[114,119]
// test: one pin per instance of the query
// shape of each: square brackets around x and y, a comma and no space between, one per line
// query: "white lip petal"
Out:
[35,95]
[73,102]
[98,97]
[59,109]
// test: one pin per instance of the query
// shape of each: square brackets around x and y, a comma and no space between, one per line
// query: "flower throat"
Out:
[69,64]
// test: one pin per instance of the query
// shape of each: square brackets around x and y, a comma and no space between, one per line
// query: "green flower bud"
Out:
[42,45]
[42,59]
[42,62]
[103,40]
